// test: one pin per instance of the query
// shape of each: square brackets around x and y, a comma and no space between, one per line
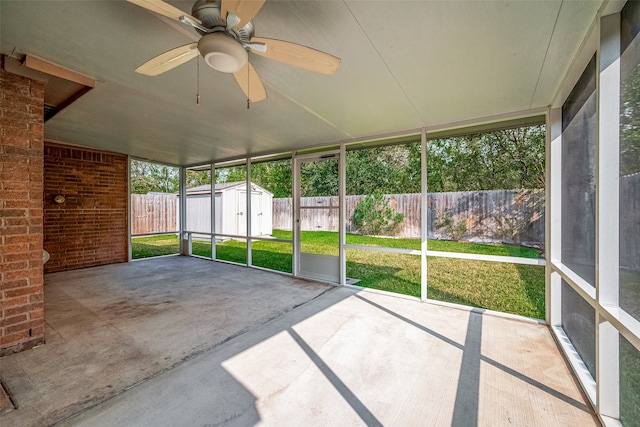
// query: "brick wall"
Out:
[21,164]
[90,227]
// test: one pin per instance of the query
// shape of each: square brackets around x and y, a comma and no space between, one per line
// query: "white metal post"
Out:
[129,219]
[607,215]
[184,247]
[248,210]
[553,221]
[424,231]
[213,211]
[342,172]
[295,218]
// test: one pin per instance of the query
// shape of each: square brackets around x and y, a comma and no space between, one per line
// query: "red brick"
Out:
[13,213]
[22,327]
[36,298]
[16,141]
[24,238]
[14,248]
[37,330]
[13,311]
[8,321]
[14,302]
[7,176]
[13,266]
[37,91]
[7,340]
[23,274]
[12,284]
[32,290]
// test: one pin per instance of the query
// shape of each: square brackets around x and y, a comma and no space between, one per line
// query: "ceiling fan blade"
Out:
[298,55]
[168,60]
[250,83]
[243,9]
[163,8]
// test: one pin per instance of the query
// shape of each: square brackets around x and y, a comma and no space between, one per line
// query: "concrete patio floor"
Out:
[184,341]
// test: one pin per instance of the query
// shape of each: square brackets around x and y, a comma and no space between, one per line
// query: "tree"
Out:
[388,169]
[630,123]
[505,159]
[151,177]
[319,178]
[231,174]
[275,176]
[196,178]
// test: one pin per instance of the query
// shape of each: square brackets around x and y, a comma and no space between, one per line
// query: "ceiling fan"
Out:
[227,38]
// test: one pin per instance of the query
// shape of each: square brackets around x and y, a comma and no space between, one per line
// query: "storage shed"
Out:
[230,209]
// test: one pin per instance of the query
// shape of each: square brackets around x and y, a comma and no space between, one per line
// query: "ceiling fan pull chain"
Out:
[198,80]
[248,88]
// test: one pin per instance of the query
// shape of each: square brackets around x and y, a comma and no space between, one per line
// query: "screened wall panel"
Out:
[630,159]
[578,176]
[579,323]
[383,195]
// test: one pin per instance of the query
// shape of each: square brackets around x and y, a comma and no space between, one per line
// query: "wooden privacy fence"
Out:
[154,213]
[513,216]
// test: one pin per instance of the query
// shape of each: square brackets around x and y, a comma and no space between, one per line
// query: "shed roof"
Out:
[224,186]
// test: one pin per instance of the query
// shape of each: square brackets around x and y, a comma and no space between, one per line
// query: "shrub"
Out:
[373,216]
[454,229]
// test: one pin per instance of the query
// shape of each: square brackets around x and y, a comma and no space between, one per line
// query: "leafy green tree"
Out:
[505,159]
[275,176]
[196,178]
[319,178]
[388,169]
[151,177]
[630,123]
[231,174]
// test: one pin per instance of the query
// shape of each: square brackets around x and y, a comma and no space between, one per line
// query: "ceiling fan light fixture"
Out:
[222,52]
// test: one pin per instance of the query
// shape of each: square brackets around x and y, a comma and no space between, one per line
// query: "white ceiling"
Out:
[405,65]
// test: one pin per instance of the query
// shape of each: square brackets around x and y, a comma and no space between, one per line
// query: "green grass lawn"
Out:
[510,288]
[629,383]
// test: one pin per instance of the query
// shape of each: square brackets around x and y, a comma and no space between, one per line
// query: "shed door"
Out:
[256,213]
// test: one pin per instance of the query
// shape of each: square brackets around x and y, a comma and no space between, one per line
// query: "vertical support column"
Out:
[249,233]
[185,246]
[342,179]
[424,230]
[213,211]
[607,215]
[295,217]
[129,219]
[553,220]
[21,209]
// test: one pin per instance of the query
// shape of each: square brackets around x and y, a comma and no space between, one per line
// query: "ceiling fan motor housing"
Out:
[208,12]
